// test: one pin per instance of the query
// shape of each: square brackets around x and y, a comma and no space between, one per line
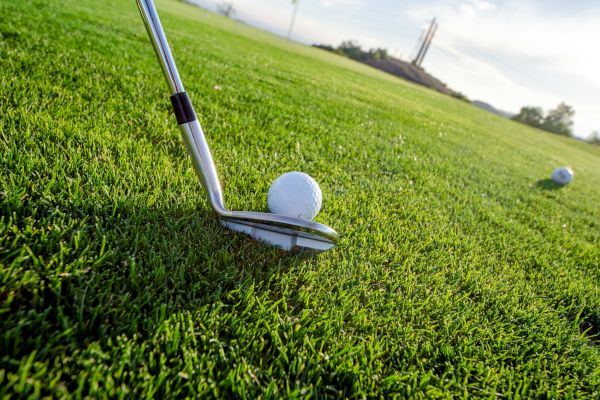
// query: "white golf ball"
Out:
[562,175]
[295,194]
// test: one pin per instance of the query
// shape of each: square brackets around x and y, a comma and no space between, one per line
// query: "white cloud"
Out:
[481,5]
[341,3]
[518,55]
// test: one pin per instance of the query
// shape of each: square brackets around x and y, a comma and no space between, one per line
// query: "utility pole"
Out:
[426,43]
[417,48]
[434,27]
[296,2]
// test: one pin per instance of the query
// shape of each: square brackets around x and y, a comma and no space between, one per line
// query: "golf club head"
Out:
[289,234]
[286,233]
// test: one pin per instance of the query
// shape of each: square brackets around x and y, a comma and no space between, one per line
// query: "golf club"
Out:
[287,233]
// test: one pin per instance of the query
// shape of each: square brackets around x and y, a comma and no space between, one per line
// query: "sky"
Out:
[508,53]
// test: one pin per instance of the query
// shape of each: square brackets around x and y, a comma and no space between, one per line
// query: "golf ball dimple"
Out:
[295,194]
[562,175]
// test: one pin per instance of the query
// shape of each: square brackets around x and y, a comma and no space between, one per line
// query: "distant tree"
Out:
[560,120]
[533,116]
[594,138]
[460,96]
[351,49]
[226,8]
[325,47]
[378,54]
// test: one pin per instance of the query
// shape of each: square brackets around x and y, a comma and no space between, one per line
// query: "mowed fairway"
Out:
[461,271]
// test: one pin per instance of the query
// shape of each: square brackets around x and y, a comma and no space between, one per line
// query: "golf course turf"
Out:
[461,270]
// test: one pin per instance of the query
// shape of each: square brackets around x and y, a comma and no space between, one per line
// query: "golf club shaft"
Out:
[161,47]
[186,117]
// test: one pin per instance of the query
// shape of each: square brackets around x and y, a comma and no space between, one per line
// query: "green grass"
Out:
[461,272]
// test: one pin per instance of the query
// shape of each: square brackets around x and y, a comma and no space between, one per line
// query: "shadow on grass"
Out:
[548,184]
[124,269]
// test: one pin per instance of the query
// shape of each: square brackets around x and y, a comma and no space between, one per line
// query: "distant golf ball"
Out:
[562,175]
[295,194]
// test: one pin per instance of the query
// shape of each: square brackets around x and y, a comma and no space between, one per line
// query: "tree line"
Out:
[353,50]
[558,120]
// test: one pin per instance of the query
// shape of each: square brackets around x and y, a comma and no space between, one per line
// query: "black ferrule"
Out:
[183,108]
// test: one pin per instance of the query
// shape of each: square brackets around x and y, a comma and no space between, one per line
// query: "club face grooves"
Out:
[281,237]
